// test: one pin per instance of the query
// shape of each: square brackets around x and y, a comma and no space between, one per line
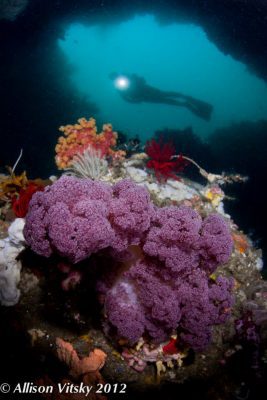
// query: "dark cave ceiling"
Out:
[237,27]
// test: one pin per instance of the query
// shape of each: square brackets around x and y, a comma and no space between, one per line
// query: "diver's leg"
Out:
[180,95]
[198,107]
[174,94]
[202,111]
[172,102]
[160,98]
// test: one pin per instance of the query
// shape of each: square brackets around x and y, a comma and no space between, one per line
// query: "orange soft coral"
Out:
[79,137]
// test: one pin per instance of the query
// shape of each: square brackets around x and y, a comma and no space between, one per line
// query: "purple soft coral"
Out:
[204,303]
[215,242]
[191,305]
[171,283]
[159,282]
[130,212]
[70,218]
[126,314]
[77,217]
[159,300]
[173,238]
[179,238]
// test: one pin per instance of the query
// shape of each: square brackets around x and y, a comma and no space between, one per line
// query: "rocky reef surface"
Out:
[55,304]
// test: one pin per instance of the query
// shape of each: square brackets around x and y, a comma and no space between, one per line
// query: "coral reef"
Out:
[160,282]
[165,255]
[153,265]
[9,265]
[80,137]
[172,190]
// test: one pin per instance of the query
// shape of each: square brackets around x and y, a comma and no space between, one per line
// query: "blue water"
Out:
[174,57]
[55,63]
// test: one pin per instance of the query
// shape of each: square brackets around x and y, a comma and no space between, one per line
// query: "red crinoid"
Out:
[161,162]
[20,204]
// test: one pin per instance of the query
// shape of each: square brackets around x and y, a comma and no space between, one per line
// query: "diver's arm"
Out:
[129,98]
[132,100]
[138,80]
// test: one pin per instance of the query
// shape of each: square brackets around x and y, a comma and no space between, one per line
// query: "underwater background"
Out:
[58,59]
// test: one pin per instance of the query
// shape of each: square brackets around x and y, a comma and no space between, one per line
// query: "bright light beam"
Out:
[122,83]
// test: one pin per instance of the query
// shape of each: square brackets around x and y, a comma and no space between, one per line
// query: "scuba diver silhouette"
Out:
[134,89]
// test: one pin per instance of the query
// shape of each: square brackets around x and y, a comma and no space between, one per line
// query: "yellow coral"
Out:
[214,195]
[10,185]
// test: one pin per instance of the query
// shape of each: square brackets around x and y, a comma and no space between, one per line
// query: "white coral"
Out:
[15,232]
[10,267]
[171,189]
[89,164]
